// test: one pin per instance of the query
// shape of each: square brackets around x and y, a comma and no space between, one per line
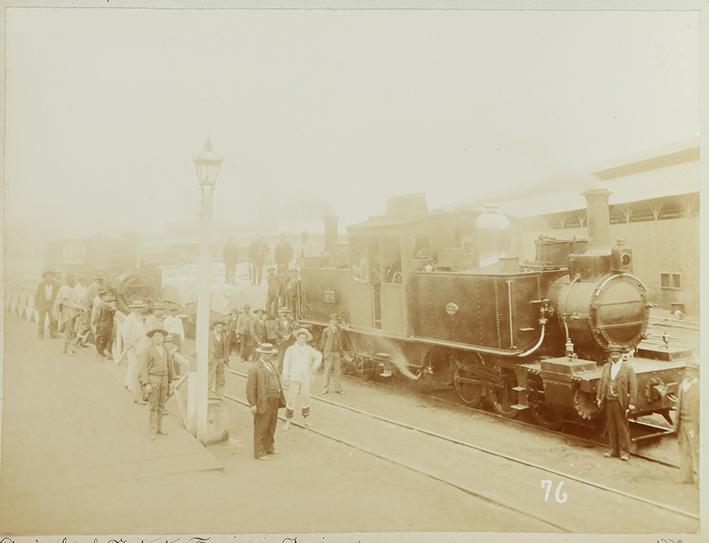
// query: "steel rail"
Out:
[396,462]
[499,455]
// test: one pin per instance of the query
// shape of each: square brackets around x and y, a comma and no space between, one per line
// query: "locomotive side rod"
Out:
[495,453]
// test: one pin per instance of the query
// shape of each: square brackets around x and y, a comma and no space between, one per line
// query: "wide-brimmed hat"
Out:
[154,331]
[214,323]
[266,348]
[299,331]
[259,311]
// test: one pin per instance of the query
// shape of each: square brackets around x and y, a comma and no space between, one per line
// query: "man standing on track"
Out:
[299,364]
[688,425]
[265,397]
[331,345]
[617,391]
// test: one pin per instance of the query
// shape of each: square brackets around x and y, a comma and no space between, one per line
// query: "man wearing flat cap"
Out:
[265,397]
[156,377]
[44,302]
[688,424]
[617,392]
[299,364]
[331,345]
[218,357]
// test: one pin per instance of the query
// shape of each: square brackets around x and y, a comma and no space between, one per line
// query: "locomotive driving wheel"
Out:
[470,392]
[501,396]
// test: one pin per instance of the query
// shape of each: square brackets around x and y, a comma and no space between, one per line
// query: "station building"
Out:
[654,209]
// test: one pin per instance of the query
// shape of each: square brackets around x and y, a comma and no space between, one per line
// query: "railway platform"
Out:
[77,459]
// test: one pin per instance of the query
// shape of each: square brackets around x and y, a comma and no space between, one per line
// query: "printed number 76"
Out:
[559,496]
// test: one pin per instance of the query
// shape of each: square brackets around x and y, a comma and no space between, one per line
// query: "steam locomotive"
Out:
[116,259]
[436,295]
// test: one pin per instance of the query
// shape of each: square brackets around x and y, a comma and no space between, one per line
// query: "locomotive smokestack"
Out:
[330,232]
[598,218]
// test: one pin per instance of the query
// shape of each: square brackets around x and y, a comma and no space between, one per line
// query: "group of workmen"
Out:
[81,310]
[617,395]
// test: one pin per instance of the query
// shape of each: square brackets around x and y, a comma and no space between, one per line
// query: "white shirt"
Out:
[174,326]
[300,361]
[615,368]
[48,289]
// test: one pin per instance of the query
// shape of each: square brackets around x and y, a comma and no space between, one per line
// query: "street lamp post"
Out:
[207,165]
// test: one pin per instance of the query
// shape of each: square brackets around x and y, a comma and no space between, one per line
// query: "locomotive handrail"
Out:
[451,344]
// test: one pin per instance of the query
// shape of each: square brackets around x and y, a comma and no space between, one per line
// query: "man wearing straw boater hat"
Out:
[265,397]
[156,376]
[299,364]
[688,424]
[617,391]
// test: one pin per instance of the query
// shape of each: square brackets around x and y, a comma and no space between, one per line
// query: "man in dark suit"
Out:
[44,302]
[331,345]
[283,254]
[218,356]
[688,425]
[617,391]
[265,397]
[257,256]
[156,377]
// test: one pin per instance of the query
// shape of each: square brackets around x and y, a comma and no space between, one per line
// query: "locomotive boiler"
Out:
[439,296]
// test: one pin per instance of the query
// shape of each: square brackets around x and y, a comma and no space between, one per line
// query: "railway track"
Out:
[585,483]
[532,426]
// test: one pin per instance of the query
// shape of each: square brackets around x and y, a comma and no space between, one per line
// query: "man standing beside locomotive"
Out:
[265,397]
[688,425]
[331,345]
[299,364]
[617,391]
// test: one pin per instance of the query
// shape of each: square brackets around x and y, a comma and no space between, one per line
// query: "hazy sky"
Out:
[324,110]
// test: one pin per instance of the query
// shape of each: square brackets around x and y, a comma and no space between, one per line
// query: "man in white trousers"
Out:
[299,364]
[133,334]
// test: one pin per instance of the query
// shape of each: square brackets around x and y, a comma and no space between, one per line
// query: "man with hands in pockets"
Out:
[299,364]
